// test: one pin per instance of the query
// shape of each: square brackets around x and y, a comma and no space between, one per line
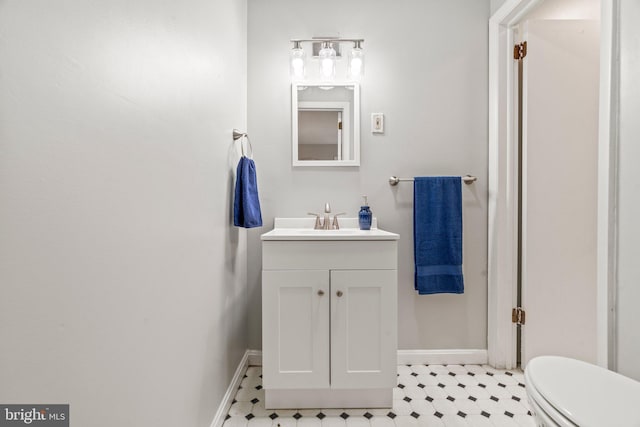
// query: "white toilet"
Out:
[569,392]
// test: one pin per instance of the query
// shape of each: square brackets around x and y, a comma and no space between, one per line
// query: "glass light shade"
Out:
[356,64]
[296,61]
[327,59]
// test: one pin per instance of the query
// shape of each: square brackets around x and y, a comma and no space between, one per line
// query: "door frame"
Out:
[503,176]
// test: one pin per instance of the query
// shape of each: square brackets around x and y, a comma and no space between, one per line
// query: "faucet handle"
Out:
[335,225]
[318,224]
[327,208]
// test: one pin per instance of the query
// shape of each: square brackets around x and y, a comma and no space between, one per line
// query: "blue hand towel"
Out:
[437,235]
[246,206]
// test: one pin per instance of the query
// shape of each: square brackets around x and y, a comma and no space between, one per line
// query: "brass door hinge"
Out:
[520,51]
[339,125]
[518,316]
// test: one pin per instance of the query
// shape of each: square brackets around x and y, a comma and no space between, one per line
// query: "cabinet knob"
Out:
[339,293]
[320,292]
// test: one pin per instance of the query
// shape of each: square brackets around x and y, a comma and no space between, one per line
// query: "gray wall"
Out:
[123,285]
[495,5]
[566,9]
[628,297]
[426,70]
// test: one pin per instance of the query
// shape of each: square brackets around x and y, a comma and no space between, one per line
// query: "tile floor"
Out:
[426,395]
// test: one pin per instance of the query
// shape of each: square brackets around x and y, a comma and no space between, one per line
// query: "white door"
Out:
[363,328]
[295,329]
[559,178]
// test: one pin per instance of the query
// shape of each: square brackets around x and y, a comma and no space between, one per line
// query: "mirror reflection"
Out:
[325,125]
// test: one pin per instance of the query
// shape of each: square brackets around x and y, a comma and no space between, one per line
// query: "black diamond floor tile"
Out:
[467,383]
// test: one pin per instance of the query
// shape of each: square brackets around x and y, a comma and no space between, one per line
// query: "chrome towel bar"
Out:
[467,179]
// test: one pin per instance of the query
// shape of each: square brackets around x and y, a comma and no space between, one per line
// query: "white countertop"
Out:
[302,229]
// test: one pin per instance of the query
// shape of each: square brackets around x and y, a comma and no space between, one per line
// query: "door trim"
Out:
[502,227]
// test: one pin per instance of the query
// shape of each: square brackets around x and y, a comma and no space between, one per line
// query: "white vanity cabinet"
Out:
[329,321]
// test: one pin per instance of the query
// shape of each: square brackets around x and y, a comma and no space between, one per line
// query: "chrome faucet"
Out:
[325,223]
[335,224]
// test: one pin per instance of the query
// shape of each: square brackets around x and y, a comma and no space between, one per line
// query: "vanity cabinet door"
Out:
[295,329]
[363,328]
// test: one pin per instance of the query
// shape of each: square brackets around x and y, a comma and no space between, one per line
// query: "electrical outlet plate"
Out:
[377,123]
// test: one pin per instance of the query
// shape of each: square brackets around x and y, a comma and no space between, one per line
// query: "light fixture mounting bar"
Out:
[321,40]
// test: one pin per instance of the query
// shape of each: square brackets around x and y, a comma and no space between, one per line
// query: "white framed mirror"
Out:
[325,124]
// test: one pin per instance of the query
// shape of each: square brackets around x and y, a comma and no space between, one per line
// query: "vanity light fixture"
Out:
[327,56]
[356,62]
[297,62]
[327,59]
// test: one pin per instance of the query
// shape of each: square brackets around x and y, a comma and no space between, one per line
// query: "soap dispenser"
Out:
[364,216]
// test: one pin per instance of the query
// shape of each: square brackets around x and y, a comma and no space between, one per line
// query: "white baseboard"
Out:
[408,357]
[405,357]
[255,357]
[225,404]
[442,357]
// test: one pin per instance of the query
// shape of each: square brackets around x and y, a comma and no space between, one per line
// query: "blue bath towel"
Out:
[437,235]
[246,206]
